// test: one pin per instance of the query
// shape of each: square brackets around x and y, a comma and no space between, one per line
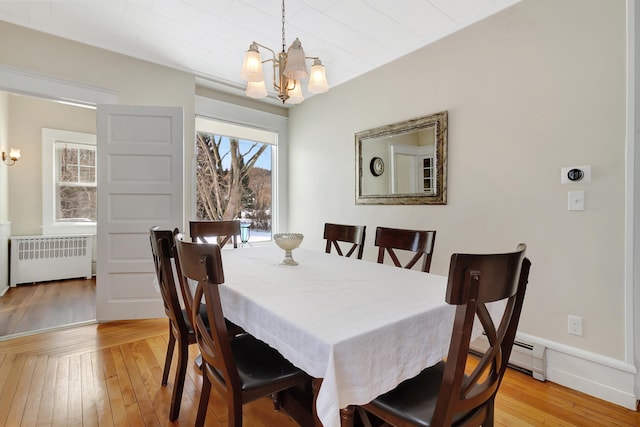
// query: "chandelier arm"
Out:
[268,48]
[276,86]
[275,65]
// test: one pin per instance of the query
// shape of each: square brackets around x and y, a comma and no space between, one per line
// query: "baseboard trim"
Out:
[53,328]
[596,375]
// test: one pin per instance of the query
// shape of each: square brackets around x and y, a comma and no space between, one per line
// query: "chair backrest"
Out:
[163,251]
[421,242]
[202,263]
[475,281]
[353,234]
[223,230]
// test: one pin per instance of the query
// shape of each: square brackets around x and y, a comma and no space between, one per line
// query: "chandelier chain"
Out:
[283,42]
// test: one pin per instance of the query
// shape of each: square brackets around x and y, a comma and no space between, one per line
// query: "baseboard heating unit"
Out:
[44,258]
[526,357]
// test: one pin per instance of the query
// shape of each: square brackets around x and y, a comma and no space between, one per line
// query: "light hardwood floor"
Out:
[109,374]
[28,308]
[106,374]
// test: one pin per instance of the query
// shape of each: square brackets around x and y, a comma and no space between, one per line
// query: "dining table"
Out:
[357,326]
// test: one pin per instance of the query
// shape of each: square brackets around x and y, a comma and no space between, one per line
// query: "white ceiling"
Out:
[209,37]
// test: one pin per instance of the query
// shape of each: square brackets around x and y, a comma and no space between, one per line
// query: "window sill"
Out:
[69,228]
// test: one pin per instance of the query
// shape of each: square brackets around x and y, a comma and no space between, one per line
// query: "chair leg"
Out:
[488,420]
[275,398]
[204,400]
[169,356]
[181,373]
[235,411]
[364,417]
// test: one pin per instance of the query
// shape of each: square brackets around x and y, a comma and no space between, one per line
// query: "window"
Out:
[234,176]
[69,186]
[75,194]
[251,125]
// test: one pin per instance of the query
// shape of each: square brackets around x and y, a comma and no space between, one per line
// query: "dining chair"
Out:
[243,369]
[418,241]
[223,230]
[186,289]
[180,329]
[443,395]
[347,234]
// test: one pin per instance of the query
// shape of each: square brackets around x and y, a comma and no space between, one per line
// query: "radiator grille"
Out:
[46,258]
[58,247]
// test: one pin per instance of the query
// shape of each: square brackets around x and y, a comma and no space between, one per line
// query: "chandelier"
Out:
[289,69]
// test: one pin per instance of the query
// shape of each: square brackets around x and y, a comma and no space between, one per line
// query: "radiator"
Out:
[525,356]
[43,258]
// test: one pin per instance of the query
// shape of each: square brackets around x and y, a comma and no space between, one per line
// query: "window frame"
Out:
[49,224]
[244,134]
[221,111]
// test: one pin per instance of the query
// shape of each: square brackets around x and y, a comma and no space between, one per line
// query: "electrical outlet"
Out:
[575,325]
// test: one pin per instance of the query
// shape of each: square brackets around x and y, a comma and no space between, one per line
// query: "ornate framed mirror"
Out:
[403,163]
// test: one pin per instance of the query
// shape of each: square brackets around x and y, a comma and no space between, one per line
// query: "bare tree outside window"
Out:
[76,195]
[233,180]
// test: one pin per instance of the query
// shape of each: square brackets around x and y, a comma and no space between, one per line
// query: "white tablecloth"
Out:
[362,327]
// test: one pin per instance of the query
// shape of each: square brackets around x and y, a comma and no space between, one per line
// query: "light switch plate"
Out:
[576,200]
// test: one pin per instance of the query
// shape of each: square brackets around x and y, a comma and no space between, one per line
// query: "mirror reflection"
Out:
[403,163]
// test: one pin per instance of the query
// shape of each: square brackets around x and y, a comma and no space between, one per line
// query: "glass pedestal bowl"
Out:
[288,242]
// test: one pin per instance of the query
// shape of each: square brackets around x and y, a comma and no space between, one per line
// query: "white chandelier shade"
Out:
[318,80]
[295,94]
[256,89]
[252,65]
[296,65]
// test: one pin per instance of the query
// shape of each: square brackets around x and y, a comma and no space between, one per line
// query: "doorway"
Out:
[33,307]
[131,167]
[43,88]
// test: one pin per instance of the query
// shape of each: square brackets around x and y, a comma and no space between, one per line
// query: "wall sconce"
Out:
[11,157]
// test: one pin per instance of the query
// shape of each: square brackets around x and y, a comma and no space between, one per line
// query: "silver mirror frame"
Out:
[440,121]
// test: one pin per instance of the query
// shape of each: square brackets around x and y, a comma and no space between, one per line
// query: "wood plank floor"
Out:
[109,374]
[28,308]
[104,374]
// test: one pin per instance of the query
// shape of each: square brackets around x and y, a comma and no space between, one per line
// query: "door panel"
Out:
[140,181]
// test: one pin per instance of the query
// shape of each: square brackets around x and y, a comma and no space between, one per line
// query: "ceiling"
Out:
[208,38]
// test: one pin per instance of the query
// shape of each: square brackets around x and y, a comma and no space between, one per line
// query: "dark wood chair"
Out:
[443,395]
[223,230]
[243,369]
[185,288]
[180,329]
[421,242]
[347,234]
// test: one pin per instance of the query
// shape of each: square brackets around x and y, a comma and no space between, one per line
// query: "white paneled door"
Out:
[140,175]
